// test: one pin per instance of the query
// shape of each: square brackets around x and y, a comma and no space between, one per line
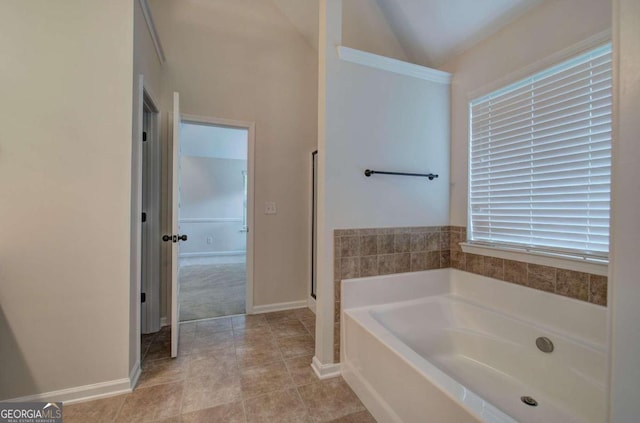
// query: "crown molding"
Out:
[146,11]
[393,65]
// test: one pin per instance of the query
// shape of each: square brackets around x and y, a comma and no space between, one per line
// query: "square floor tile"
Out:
[208,391]
[264,379]
[280,406]
[330,399]
[98,411]
[152,403]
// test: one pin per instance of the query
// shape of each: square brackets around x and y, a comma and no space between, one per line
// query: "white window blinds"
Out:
[540,160]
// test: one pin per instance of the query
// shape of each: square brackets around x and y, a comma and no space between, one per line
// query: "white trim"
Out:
[80,393]
[209,219]
[393,65]
[148,18]
[150,232]
[311,303]
[267,308]
[540,258]
[164,322]
[213,254]
[537,66]
[251,141]
[134,375]
[325,371]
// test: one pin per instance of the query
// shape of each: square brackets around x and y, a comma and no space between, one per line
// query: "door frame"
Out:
[151,190]
[250,127]
[143,95]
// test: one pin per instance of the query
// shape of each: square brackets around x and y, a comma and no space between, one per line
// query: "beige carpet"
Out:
[212,290]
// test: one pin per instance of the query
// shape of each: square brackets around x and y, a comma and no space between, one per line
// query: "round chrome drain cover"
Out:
[529,401]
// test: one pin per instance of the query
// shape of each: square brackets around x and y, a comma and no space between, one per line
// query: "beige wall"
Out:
[244,60]
[65,165]
[551,27]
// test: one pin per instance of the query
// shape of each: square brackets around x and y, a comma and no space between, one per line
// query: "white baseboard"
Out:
[214,254]
[82,393]
[325,371]
[164,321]
[311,303]
[258,309]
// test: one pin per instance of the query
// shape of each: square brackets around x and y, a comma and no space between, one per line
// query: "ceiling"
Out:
[430,32]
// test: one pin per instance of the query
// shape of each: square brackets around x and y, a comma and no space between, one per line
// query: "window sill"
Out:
[540,258]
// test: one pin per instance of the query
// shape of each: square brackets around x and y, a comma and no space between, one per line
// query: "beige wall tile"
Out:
[368,266]
[418,242]
[433,241]
[369,245]
[385,244]
[433,260]
[402,243]
[515,272]
[386,264]
[350,267]
[572,284]
[475,263]
[494,267]
[458,260]
[598,289]
[349,246]
[445,259]
[445,240]
[402,262]
[541,277]
[418,261]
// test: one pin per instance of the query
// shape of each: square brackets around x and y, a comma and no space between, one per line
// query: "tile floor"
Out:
[235,369]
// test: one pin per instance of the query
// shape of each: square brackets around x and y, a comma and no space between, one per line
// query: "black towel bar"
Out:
[370,172]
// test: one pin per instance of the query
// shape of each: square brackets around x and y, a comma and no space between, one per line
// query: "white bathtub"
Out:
[450,346]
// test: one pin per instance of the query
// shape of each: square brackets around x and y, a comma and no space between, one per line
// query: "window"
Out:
[540,160]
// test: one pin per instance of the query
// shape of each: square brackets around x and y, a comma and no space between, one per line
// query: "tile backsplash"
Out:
[381,251]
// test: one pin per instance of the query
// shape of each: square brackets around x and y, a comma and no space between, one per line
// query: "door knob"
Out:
[182,237]
[166,238]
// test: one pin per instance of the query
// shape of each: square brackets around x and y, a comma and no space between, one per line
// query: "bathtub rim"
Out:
[455,283]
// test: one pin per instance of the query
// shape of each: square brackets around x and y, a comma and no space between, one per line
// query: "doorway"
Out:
[214,176]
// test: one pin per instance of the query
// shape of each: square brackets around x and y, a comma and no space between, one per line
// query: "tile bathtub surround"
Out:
[382,251]
[248,369]
[578,285]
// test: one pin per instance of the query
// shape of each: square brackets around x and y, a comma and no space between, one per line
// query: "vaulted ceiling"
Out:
[429,32]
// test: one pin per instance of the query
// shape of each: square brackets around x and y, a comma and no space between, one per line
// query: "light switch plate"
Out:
[270,207]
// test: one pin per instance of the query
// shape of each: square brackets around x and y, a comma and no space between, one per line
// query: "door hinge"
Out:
[143,297]
[144,217]
[144,135]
